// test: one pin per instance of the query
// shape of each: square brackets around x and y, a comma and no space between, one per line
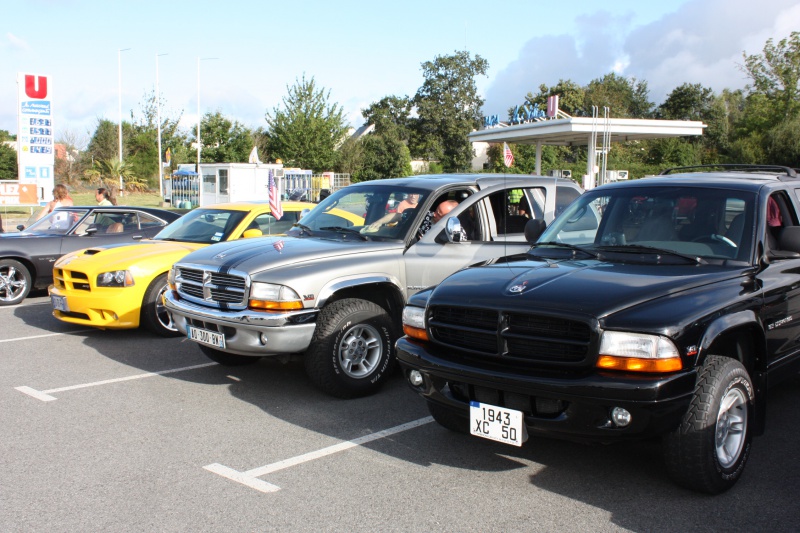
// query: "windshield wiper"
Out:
[304,229]
[639,248]
[346,230]
[565,245]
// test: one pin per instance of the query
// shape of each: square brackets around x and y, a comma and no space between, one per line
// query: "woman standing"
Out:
[61,198]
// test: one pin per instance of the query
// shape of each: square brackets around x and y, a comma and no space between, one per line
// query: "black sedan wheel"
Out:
[15,282]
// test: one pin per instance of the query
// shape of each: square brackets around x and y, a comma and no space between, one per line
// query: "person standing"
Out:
[103,197]
[61,198]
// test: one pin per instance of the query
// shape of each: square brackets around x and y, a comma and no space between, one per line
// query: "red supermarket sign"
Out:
[16,193]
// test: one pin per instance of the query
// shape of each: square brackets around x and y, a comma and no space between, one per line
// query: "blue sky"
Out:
[361,51]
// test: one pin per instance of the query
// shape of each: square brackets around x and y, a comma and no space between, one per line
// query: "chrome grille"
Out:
[507,337]
[211,287]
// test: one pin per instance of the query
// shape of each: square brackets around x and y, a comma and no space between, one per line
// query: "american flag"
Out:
[278,245]
[508,157]
[274,198]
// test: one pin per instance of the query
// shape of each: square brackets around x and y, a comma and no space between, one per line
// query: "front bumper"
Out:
[255,333]
[569,407]
[102,307]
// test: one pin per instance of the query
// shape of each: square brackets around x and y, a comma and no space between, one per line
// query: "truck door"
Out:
[493,221]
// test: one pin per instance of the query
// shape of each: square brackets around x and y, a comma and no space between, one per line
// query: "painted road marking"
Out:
[250,477]
[46,335]
[45,395]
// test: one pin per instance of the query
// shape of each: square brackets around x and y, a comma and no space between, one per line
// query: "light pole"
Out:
[119,75]
[158,122]
[199,117]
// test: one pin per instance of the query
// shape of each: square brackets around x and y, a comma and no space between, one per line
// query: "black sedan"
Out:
[27,257]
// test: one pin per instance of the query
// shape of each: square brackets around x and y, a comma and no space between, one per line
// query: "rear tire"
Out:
[352,350]
[710,448]
[228,359]
[15,282]
[154,315]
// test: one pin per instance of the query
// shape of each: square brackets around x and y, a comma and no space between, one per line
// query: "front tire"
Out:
[154,315]
[352,350]
[710,448]
[228,359]
[15,282]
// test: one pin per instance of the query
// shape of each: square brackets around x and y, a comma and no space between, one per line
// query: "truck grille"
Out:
[213,288]
[509,336]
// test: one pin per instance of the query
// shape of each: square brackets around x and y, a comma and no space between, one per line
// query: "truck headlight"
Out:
[115,278]
[638,352]
[414,322]
[273,297]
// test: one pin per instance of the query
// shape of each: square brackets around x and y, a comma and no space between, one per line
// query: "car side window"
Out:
[512,209]
[269,225]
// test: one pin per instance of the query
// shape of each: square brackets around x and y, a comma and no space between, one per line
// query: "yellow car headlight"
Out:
[115,278]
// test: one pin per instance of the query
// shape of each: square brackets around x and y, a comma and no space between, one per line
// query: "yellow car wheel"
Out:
[155,317]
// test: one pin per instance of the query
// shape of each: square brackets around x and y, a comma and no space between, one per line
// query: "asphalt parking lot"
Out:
[123,431]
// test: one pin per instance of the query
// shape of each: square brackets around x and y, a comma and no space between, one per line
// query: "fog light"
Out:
[415,378]
[621,417]
[263,338]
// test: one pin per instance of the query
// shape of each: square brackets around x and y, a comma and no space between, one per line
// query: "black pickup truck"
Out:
[664,306]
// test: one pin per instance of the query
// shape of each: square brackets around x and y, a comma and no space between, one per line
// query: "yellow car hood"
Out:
[150,256]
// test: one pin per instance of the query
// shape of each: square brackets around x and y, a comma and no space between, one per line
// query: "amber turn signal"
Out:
[637,364]
[415,333]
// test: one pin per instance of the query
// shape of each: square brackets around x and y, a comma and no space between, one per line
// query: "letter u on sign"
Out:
[35,86]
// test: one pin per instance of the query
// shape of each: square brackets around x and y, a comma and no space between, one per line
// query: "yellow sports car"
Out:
[121,286]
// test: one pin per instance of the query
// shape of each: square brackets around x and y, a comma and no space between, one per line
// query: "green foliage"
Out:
[351,157]
[449,108]
[571,97]
[776,74]
[224,141]
[307,130]
[625,97]
[6,136]
[383,157]
[391,116]
[8,162]
[104,144]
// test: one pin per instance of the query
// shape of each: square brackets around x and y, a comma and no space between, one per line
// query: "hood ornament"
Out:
[516,289]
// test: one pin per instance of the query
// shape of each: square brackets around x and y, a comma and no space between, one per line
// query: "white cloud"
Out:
[17,43]
[701,42]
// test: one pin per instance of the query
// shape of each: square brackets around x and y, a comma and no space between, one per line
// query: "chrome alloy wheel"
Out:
[731,428]
[359,351]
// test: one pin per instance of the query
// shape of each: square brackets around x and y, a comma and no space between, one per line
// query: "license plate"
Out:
[59,303]
[204,336]
[497,423]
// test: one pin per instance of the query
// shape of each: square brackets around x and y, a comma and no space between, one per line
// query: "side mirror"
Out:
[304,212]
[21,227]
[534,229]
[453,231]
[250,233]
[91,230]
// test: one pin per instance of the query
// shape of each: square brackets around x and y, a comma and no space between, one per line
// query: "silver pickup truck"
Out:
[334,288]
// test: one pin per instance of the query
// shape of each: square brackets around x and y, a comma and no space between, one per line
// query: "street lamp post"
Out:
[199,117]
[119,75]
[158,122]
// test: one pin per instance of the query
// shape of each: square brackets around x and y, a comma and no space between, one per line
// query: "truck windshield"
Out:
[704,223]
[374,211]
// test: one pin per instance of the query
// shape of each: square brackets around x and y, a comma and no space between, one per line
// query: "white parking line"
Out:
[46,335]
[250,477]
[45,395]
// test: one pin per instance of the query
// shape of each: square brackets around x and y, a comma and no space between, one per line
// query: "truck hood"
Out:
[593,289]
[256,255]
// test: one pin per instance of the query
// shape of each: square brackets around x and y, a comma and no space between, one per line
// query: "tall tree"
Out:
[383,157]
[391,116]
[8,162]
[307,130]
[776,75]
[625,97]
[104,142]
[224,141]
[449,108]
